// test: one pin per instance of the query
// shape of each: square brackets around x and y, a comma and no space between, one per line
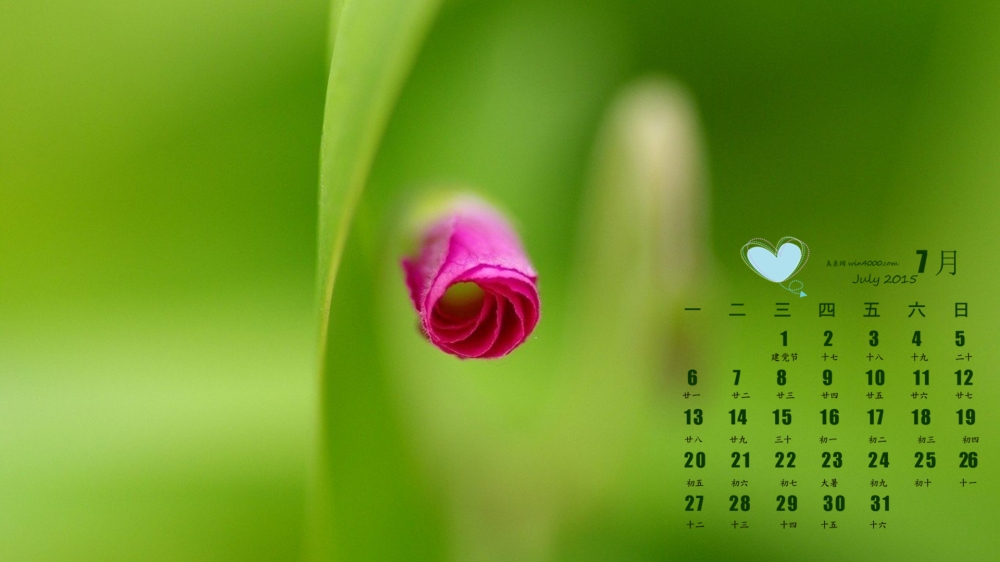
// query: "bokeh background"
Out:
[158,172]
[159,165]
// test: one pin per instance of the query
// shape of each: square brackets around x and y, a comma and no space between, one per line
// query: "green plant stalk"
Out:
[374,47]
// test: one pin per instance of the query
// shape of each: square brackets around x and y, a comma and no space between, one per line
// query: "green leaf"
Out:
[366,498]
[375,45]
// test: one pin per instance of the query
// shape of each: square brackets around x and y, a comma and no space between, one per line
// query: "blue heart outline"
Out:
[774,250]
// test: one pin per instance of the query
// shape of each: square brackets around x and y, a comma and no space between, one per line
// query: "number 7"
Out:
[737,371]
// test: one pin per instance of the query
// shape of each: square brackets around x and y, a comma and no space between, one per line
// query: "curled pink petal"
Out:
[472,284]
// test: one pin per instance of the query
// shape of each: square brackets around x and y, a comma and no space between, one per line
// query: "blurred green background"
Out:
[158,185]
[157,235]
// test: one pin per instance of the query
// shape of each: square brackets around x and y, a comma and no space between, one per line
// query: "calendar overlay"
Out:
[860,403]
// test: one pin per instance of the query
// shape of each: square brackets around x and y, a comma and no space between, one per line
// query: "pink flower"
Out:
[472,284]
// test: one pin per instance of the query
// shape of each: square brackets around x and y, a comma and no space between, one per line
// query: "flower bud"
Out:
[471,282]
